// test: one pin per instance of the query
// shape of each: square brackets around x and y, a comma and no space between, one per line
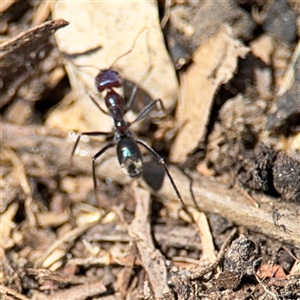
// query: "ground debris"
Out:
[235,88]
[22,55]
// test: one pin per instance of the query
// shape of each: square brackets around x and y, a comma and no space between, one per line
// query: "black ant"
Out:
[128,152]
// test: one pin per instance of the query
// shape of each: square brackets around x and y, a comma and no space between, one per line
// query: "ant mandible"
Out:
[128,152]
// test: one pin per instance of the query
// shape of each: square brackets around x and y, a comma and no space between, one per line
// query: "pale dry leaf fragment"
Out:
[52,219]
[103,31]
[53,261]
[62,243]
[263,48]
[67,116]
[214,64]
[7,225]
[6,292]
[296,268]
[206,236]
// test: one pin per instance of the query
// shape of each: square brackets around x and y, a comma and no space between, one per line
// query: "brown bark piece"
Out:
[152,260]
[214,64]
[21,55]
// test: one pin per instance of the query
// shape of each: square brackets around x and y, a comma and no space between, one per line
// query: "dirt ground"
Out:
[220,220]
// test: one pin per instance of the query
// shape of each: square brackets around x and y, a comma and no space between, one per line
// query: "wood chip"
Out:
[22,54]
[214,63]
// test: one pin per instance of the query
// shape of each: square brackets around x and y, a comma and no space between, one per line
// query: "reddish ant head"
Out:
[108,79]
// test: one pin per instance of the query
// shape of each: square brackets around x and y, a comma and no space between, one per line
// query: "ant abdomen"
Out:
[130,157]
[108,79]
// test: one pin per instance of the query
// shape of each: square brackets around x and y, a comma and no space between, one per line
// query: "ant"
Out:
[128,152]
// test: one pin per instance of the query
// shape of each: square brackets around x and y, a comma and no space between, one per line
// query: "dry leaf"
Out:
[103,31]
[263,48]
[269,271]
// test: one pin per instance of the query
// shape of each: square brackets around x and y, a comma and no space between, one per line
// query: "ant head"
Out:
[107,79]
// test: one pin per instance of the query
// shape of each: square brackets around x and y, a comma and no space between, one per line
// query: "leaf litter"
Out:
[234,123]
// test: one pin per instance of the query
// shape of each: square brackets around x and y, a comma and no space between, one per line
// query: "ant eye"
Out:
[108,79]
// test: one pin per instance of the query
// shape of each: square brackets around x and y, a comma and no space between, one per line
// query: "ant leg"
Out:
[97,104]
[109,145]
[131,98]
[147,109]
[94,133]
[162,162]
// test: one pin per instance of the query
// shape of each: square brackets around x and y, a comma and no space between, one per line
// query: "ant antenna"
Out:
[81,66]
[67,57]
[131,48]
